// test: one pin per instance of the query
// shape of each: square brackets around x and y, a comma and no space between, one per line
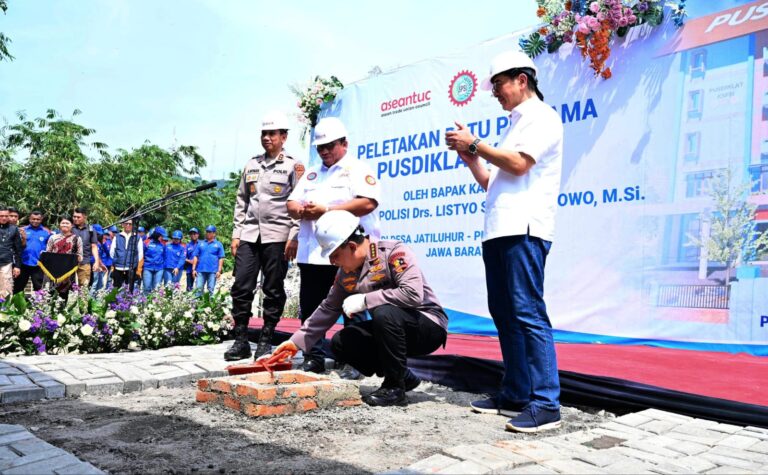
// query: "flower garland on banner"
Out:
[591,25]
[311,99]
[114,321]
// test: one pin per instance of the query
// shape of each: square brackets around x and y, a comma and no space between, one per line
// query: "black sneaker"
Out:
[411,380]
[491,406]
[349,372]
[239,350]
[386,397]
[535,419]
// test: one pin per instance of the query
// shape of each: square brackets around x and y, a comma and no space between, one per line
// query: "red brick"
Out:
[262,393]
[349,402]
[203,384]
[261,378]
[287,377]
[203,396]
[221,386]
[262,410]
[299,390]
[232,403]
[306,405]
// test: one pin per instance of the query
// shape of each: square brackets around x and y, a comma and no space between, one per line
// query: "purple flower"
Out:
[39,344]
[197,329]
[89,319]
[51,325]
[642,6]
[37,322]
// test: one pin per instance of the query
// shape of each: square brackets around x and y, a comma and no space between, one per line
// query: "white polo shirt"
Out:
[347,179]
[517,205]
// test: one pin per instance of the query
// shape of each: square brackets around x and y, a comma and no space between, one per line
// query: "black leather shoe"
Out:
[314,366]
[411,380]
[386,397]
[264,346]
[348,372]
[239,350]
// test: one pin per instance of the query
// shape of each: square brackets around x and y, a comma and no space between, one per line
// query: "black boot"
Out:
[386,397]
[240,349]
[265,341]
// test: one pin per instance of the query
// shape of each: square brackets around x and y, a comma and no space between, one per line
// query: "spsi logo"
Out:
[462,88]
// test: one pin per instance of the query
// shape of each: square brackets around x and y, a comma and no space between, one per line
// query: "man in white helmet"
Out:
[264,236]
[522,183]
[384,279]
[340,182]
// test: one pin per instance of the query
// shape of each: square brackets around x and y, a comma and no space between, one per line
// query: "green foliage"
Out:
[4,40]
[534,45]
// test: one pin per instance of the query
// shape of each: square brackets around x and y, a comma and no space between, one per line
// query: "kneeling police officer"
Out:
[382,278]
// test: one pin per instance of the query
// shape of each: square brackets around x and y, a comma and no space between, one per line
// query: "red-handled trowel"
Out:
[277,362]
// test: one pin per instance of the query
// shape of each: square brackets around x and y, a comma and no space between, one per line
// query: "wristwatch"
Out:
[473,147]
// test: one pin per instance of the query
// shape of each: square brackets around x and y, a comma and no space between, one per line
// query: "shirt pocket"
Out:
[278,184]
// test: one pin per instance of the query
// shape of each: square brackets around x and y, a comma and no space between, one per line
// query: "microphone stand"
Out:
[149,207]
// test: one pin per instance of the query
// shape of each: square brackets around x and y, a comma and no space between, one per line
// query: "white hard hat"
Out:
[328,130]
[506,61]
[333,229]
[275,120]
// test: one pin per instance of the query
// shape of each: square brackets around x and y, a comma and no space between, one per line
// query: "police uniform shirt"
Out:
[389,275]
[347,179]
[517,205]
[260,209]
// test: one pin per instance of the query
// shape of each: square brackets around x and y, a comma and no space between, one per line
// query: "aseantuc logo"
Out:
[414,100]
[462,88]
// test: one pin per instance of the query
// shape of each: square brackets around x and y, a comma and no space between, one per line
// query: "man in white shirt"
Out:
[340,182]
[522,184]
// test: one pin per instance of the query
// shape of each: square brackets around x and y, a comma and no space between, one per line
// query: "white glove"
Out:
[354,304]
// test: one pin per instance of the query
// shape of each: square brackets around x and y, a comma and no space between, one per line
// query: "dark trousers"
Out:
[514,275]
[382,344]
[27,272]
[121,277]
[316,282]
[252,258]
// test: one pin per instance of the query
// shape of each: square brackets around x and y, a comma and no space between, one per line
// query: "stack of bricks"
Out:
[277,394]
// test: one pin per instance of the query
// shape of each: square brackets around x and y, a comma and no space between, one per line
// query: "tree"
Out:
[733,238]
[4,40]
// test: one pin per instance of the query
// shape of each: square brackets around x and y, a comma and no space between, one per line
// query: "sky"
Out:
[203,72]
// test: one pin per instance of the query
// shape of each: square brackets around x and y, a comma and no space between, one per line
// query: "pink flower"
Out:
[623,22]
[632,19]
[600,16]
[583,28]
[594,7]
[319,101]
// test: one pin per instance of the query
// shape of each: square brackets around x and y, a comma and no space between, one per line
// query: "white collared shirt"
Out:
[517,205]
[346,179]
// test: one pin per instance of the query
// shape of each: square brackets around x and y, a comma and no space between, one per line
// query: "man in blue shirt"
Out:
[208,261]
[194,234]
[154,260]
[174,259]
[37,238]
[101,275]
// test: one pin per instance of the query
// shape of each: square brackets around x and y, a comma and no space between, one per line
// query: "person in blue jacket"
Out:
[194,234]
[37,238]
[208,261]
[102,245]
[154,260]
[174,259]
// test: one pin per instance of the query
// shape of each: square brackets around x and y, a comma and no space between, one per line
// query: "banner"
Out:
[642,152]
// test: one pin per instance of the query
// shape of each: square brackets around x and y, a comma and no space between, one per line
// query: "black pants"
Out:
[28,272]
[252,258]
[316,282]
[382,345]
[121,277]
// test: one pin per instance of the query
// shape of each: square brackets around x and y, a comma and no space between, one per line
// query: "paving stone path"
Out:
[650,441]
[23,453]
[30,378]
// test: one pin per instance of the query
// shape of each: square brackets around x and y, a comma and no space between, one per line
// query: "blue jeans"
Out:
[514,275]
[151,279]
[98,281]
[203,279]
[169,278]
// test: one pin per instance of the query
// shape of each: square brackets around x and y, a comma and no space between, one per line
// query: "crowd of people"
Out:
[104,257]
[325,218]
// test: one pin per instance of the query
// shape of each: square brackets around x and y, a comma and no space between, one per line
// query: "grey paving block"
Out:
[28,459]
[10,429]
[53,389]
[495,458]
[7,454]
[629,466]
[645,446]
[688,448]
[536,450]
[633,420]
[760,458]
[664,416]
[31,445]
[659,427]
[532,470]
[738,441]
[699,435]
[9,438]
[641,455]
[82,468]
[192,368]
[603,458]
[433,464]
[110,385]
[631,432]
[10,394]
[465,467]
[36,377]
[726,460]
[726,470]
[10,370]
[761,447]
[21,380]
[5,380]
[572,466]
[43,466]
[695,464]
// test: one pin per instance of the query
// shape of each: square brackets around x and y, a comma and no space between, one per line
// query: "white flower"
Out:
[134,310]
[209,324]
[86,330]
[216,327]
[133,345]
[120,332]
[61,319]
[207,310]
[24,325]
[110,314]
[158,314]
[188,314]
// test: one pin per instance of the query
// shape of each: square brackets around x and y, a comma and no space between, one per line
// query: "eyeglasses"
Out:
[326,146]
[497,84]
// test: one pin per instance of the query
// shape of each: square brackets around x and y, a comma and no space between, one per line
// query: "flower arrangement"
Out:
[591,25]
[312,97]
[113,321]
